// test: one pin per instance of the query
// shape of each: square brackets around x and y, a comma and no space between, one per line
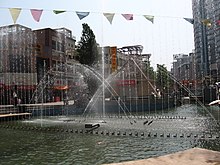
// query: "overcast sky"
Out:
[169,34]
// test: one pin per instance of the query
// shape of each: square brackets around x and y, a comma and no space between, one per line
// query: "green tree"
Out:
[87,47]
[149,71]
[88,54]
[163,80]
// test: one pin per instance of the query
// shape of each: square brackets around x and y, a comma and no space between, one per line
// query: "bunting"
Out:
[36,14]
[128,16]
[15,12]
[59,11]
[149,18]
[207,22]
[82,15]
[190,20]
[109,16]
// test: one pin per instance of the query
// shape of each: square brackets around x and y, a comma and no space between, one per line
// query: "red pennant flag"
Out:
[36,14]
[218,22]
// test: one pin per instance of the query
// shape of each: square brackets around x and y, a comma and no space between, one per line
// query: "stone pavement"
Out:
[194,156]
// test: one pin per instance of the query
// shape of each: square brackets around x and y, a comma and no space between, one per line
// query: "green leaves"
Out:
[87,47]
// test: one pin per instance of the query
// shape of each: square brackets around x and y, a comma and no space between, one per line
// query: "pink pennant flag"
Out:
[218,22]
[36,14]
[128,16]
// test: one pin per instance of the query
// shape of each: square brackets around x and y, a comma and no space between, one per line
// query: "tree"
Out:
[149,71]
[87,47]
[163,80]
[88,54]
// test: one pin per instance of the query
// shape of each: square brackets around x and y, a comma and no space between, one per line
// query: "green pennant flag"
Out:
[58,11]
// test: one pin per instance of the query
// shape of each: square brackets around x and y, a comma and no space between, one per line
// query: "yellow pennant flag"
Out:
[15,13]
[207,22]
[109,16]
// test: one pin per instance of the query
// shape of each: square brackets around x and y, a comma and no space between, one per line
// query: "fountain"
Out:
[128,107]
[129,111]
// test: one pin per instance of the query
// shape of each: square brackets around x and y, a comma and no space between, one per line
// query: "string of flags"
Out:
[37,13]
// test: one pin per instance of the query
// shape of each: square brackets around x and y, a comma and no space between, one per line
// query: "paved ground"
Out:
[195,156]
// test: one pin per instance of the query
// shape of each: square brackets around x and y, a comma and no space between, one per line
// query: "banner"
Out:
[36,13]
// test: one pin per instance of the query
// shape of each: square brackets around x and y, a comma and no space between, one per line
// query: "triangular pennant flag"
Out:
[218,22]
[190,20]
[36,14]
[82,15]
[149,18]
[128,16]
[15,13]
[109,16]
[58,11]
[207,22]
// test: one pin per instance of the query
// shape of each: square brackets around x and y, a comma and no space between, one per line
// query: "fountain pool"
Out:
[65,140]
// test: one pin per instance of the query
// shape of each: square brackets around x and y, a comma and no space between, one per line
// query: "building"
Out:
[18,72]
[184,70]
[128,69]
[56,50]
[33,64]
[206,15]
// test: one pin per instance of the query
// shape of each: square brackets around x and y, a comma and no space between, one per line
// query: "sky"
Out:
[169,34]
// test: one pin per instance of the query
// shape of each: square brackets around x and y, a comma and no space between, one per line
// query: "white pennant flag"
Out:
[149,18]
[109,16]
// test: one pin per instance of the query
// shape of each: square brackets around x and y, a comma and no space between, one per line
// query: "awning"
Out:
[65,87]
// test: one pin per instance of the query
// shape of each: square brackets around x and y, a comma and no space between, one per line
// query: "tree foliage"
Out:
[87,47]
[163,79]
[149,71]
[88,54]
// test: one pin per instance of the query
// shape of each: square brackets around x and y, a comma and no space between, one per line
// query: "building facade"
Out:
[36,60]
[18,72]
[184,70]
[56,50]
[206,15]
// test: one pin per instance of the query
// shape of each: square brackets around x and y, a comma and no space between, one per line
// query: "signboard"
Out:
[113,52]
[125,82]
[20,79]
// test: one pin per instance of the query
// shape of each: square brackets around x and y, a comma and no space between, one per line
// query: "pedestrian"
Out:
[15,96]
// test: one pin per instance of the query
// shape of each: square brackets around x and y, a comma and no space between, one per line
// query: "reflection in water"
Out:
[55,147]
